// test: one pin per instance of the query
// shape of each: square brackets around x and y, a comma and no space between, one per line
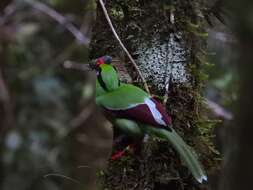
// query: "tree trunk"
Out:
[166,39]
[91,143]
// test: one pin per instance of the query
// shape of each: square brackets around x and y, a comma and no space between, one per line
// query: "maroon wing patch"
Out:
[142,113]
[161,109]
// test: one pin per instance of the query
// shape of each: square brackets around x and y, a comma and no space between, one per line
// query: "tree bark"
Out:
[165,38]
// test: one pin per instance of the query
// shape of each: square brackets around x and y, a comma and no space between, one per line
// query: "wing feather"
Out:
[133,103]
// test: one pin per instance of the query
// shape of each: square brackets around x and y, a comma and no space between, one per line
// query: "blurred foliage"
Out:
[223,76]
[45,96]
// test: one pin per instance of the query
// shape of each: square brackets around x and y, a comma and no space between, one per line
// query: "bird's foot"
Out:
[121,153]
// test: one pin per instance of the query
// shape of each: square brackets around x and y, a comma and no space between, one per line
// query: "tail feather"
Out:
[187,155]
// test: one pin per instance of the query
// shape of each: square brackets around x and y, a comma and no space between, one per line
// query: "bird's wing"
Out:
[133,103]
[109,77]
[99,90]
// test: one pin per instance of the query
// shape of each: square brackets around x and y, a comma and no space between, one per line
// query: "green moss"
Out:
[117,13]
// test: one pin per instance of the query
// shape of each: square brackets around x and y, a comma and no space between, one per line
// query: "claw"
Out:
[121,153]
[118,155]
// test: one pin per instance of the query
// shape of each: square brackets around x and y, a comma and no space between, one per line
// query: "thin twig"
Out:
[122,45]
[218,110]
[83,167]
[82,117]
[76,66]
[7,105]
[169,62]
[62,176]
[80,37]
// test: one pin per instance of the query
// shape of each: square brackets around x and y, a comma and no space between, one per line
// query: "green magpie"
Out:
[135,112]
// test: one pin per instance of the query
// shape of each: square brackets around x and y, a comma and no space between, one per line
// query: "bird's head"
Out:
[99,62]
[104,60]
[107,77]
[95,64]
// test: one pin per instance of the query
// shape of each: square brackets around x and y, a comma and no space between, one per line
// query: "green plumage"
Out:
[109,76]
[185,152]
[118,96]
[129,127]
[99,90]
[125,96]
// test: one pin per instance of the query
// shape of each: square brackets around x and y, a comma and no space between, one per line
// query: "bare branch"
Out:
[80,37]
[82,116]
[218,110]
[76,66]
[122,45]
[5,100]
[62,176]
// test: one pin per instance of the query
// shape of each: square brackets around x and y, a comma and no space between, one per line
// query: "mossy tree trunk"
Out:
[167,39]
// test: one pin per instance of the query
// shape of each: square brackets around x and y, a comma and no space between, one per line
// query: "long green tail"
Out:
[183,149]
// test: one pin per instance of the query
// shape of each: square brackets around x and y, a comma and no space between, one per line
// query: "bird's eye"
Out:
[100,61]
[107,59]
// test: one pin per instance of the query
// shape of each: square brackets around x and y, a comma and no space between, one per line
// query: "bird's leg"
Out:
[145,138]
[121,153]
[122,143]
[130,145]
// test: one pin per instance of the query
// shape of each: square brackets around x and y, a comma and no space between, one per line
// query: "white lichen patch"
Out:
[161,62]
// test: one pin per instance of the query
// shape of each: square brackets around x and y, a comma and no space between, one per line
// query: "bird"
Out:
[135,112]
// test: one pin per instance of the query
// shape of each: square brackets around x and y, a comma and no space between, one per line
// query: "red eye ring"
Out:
[100,61]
